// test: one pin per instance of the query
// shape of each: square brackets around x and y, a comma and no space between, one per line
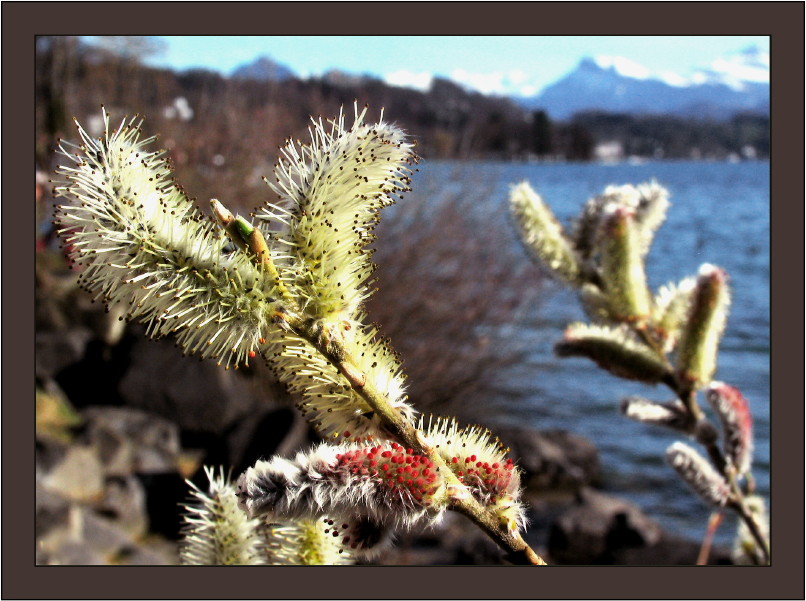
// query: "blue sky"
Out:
[522,63]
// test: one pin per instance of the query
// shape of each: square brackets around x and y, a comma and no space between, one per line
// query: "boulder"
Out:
[551,460]
[602,530]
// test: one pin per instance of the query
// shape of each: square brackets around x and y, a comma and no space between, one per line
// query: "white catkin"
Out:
[142,244]
[331,191]
[340,480]
[215,530]
[695,471]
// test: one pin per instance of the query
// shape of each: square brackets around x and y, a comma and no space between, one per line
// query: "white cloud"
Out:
[409,79]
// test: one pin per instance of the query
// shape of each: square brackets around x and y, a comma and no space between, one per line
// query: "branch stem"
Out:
[397,425]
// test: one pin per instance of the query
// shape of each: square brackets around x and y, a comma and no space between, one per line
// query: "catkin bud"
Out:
[699,340]
[622,265]
[670,313]
[698,474]
[542,234]
[737,423]
[670,415]
[615,350]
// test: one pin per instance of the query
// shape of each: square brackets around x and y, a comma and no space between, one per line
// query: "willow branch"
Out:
[398,426]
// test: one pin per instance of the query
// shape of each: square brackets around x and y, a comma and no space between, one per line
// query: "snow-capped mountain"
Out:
[729,85]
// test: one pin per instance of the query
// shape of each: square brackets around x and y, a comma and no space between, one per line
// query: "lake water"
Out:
[720,214]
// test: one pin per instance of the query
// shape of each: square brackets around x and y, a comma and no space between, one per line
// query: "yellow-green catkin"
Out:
[623,265]
[306,542]
[615,350]
[542,233]
[697,350]
[670,311]
[216,531]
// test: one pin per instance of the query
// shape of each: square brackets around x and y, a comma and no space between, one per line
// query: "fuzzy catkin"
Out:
[734,415]
[216,531]
[305,542]
[387,485]
[330,193]
[479,461]
[325,397]
[542,234]
[142,244]
[701,477]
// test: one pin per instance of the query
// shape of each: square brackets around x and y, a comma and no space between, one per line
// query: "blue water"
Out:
[720,214]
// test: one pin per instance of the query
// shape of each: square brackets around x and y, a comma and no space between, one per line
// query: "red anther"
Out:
[467,459]
[261,340]
[346,434]
[472,458]
[420,482]
[385,467]
[399,470]
[454,460]
[396,446]
[400,478]
[406,469]
[495,465]
[372,463]
[461,473]
[414,473]
[478,464]
[424,460]
[386,454]
[488,470]
[409,451]
[252,354]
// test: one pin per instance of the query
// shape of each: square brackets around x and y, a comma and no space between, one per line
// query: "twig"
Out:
[399,427]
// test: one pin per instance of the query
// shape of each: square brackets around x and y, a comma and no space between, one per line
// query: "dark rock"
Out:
[164,494]
[603,530]
[552,460]
[196,395]
[57,350]
[132,441]
[51,511]
[124,502]
[455,541]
